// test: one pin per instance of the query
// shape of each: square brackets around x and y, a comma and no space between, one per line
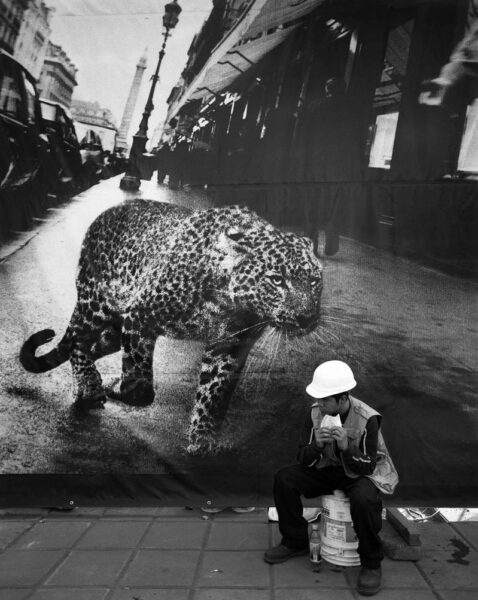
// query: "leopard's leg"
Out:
[138,339]
[89,388]
[94,334]
[220,371]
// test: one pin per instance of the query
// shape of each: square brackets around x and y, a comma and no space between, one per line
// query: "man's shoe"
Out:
[281,553]
[369,581]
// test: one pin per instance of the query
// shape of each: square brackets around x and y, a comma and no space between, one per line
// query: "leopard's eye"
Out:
[277,280]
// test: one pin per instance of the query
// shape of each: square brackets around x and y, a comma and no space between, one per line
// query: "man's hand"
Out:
[433,92]
[339,434]
[323,436]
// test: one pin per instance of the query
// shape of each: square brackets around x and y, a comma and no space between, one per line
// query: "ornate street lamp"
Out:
[131,180]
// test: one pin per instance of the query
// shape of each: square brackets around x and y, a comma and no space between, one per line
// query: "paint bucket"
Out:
[338,538]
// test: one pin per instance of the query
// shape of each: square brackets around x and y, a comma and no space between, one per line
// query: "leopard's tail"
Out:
[48,361]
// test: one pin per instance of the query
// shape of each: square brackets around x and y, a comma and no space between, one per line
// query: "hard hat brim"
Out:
[316,392]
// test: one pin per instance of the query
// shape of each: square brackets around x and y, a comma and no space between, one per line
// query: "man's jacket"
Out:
[384,475]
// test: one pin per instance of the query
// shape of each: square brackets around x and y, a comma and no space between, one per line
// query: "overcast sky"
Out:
[105,39]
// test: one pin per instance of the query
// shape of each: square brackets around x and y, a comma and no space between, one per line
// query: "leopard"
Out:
[147,269]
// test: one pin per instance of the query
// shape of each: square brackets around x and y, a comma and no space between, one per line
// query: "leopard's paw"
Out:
[203,446]
[85,403]
[134,392]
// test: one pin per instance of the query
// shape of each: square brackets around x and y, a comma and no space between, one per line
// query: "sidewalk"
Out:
[181,554]
[91,202]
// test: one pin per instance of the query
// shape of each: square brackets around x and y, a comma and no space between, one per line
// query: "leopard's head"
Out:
[274,275]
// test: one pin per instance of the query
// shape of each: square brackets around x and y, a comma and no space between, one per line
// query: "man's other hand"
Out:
[339,434]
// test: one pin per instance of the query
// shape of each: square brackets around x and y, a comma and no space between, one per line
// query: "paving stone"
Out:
[459,594]
[52,534]
[173,535]
[469,530]
[234,594]
[70,594]
[11,594]
[447,559]
[23,567]
[297,573]
[151,594]
[259,515]
[311,594]
[10,530]
[94,567]
[233,569]
[90,511]
[162,568]
[14,513]
[403,594]
[113,534]
[238,536]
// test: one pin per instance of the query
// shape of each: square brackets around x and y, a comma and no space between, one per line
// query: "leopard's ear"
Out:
[233,246]
[235,234]
[233,241]
[239,238]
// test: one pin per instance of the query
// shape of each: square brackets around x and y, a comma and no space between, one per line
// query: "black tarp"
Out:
[399,301]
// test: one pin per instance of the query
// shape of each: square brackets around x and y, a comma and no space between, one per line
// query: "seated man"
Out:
[351,457]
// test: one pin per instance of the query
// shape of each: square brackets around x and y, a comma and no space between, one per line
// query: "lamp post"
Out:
[131,180]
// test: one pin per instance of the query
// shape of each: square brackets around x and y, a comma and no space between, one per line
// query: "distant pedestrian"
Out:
[163,161]
[178,164]
[328,158]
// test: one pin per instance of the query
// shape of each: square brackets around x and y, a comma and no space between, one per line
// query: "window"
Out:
[10,91]
[382,141]
[468,157]
[48,111]
[31,99]
[388,95]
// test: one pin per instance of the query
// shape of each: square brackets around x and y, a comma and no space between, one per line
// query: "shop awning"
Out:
[262,27]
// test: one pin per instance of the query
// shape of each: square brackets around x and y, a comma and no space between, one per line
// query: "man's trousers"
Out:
[365,507]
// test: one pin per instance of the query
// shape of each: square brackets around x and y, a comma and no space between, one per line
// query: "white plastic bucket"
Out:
[338,538]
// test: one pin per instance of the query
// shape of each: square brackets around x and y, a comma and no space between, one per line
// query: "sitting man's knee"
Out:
[365,499]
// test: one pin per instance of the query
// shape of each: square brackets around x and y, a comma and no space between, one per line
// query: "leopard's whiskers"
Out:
[328,323]
[233,334]
[258,357]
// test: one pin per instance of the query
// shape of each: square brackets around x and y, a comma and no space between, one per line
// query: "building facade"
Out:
[91,116]
[390,171]
[11,14]
[32,41]
[58,76]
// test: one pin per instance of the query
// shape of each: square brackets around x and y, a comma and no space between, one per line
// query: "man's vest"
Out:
[384,476]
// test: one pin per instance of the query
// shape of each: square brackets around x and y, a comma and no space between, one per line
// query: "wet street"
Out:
[408,332]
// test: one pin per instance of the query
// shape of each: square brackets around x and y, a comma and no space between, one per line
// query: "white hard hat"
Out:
[331,377]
